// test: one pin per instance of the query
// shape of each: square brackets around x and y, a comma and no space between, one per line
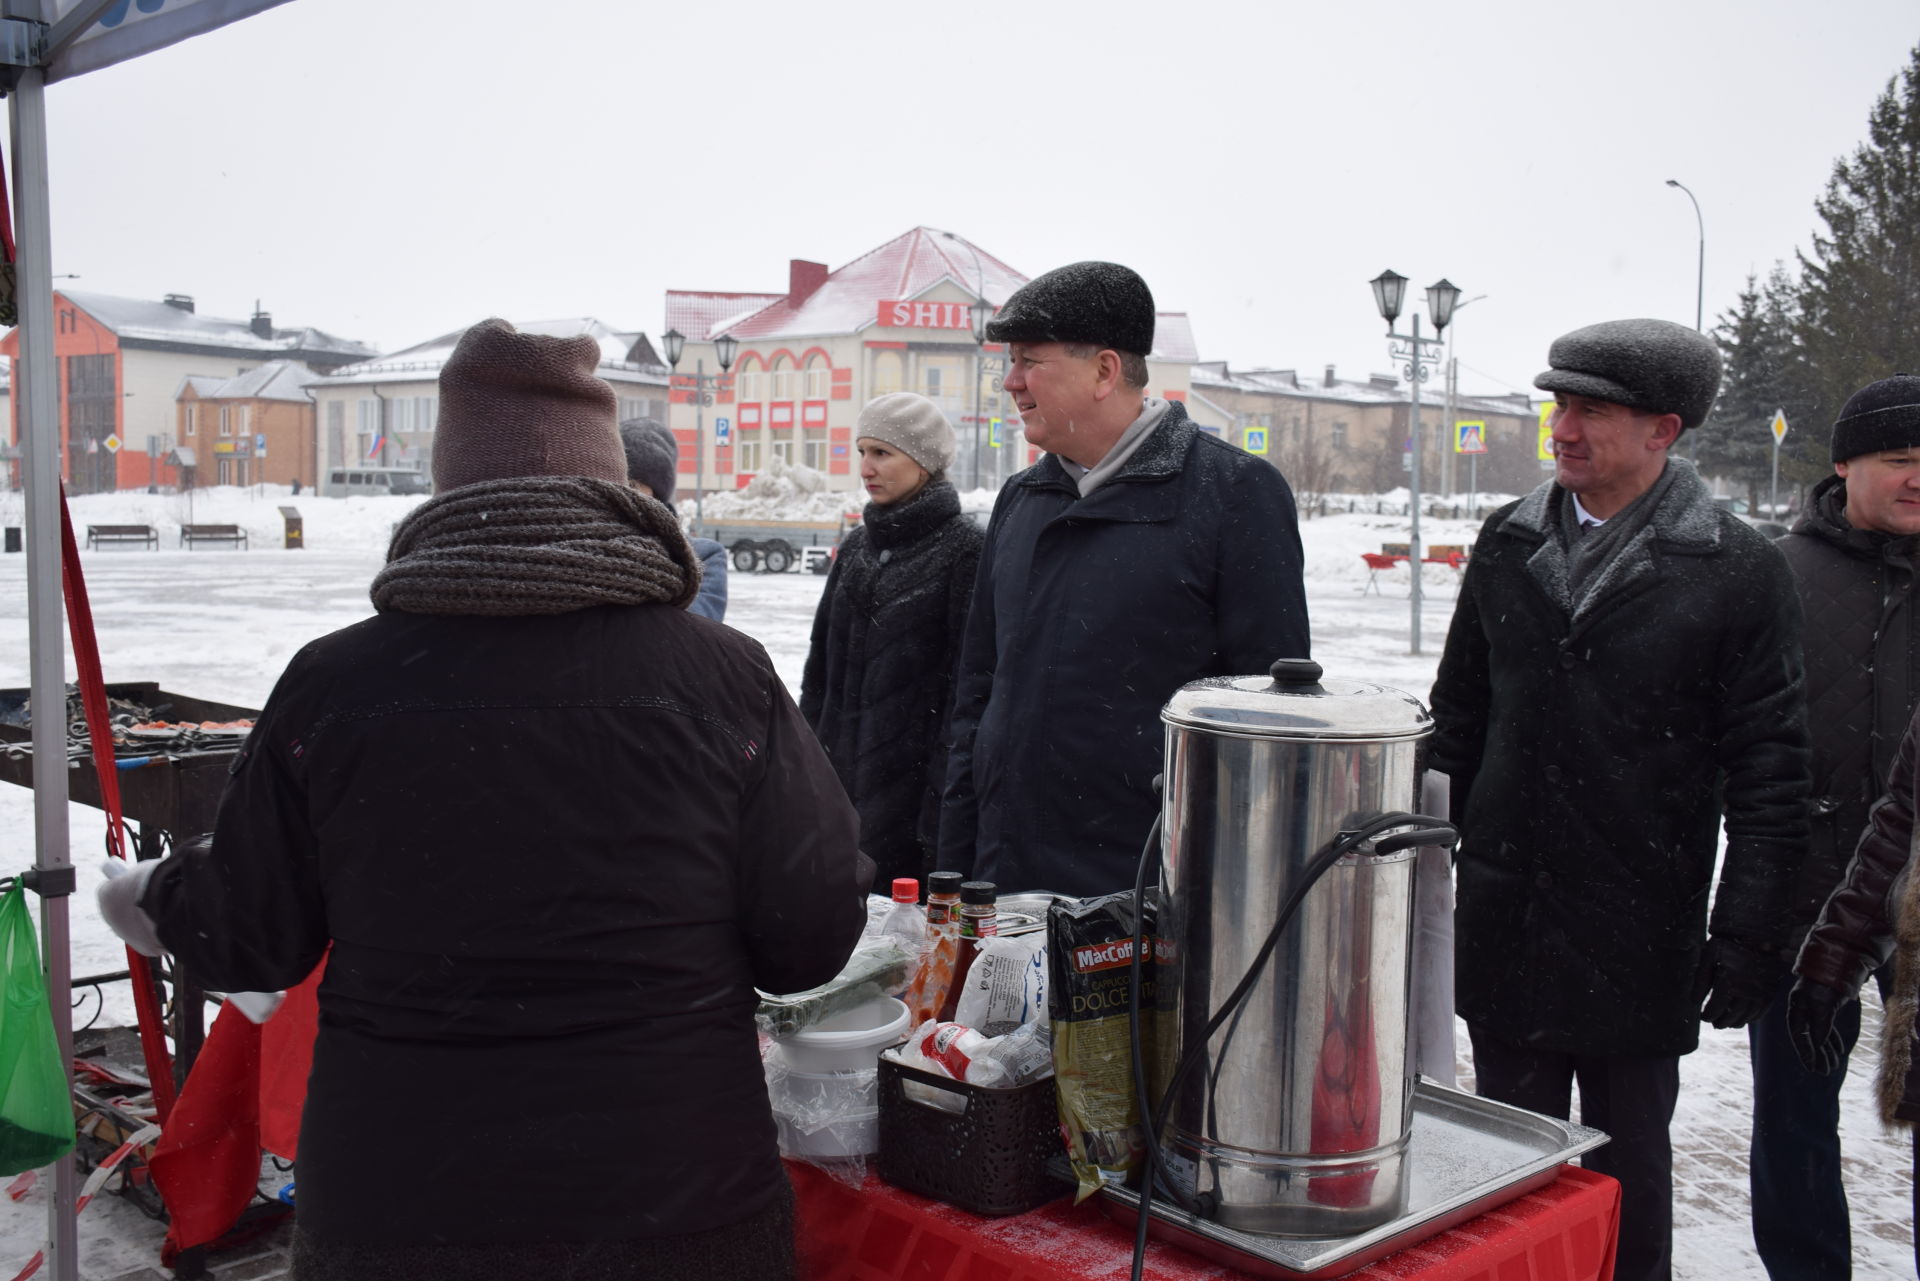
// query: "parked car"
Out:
[344,481]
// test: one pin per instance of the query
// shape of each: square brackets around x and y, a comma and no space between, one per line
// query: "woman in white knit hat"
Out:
[886,638]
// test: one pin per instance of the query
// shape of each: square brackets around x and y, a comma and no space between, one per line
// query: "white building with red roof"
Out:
[897,318]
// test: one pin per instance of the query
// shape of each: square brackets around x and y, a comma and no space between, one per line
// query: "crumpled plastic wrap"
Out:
[880,966]
[828,1120]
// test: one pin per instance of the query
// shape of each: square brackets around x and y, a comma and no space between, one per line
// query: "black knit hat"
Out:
[1652,365]
[653,456]
[1882,415]
[1083,302]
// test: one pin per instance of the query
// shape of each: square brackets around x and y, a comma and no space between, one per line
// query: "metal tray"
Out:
[1469,1155]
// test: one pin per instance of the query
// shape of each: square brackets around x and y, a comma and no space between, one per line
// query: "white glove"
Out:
[119,899]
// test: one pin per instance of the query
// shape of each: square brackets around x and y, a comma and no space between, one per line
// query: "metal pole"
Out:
[979,370]
[1773,486]
[1413,560]
[38,387]
[699,443]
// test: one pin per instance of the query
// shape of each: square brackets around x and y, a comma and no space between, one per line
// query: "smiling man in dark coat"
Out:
[1139,554]
[1624,661]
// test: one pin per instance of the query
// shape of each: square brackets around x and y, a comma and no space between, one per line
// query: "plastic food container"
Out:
[848,1041]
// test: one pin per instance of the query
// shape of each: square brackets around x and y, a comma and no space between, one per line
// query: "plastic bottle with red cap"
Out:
[905,920]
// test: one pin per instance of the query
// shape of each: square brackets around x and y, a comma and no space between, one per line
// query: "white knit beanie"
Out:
[912,424]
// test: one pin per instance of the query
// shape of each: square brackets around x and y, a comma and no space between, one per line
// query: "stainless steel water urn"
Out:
[1295,1119]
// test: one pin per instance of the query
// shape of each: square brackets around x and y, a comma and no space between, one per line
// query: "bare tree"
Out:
[1306,461]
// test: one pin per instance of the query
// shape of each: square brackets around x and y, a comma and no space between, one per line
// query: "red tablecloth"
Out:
[1563,1232]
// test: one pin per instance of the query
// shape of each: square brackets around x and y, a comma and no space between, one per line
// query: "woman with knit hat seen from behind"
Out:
[554,830]
[879,678]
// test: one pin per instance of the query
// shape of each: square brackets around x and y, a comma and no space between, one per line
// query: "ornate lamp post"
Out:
[704,386]
[1389,292]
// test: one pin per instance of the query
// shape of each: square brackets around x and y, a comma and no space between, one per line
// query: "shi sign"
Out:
[907,314]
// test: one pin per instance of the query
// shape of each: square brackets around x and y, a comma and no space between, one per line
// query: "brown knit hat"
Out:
[514,404]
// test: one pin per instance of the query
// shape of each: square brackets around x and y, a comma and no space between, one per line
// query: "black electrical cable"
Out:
[1428,831]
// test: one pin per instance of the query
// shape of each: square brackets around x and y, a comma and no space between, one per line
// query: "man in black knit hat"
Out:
[1139,554]
[1852,557]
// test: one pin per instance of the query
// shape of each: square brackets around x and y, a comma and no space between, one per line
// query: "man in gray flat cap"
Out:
[1623,664]
[1139,554]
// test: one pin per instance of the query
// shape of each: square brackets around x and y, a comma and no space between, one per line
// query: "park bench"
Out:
[192,534]
[145,534]
[1392,555]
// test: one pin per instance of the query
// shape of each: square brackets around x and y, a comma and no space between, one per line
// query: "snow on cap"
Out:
[910,423]
[1083,302]
[1651,365]
[1882,415]
[514,404]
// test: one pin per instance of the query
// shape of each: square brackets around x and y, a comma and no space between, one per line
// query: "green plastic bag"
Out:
[36,1111]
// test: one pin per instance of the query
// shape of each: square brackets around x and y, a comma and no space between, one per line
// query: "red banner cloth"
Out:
[1566,1231]
[245,1092]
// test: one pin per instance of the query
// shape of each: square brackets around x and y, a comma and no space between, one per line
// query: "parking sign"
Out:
[722,431]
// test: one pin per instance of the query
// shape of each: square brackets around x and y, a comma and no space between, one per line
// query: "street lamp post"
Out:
[979,313]
[704,386]
[1700,280]
[1389,292]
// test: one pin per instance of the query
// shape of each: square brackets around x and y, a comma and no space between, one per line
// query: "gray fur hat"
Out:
[1652,365]
[910,423]
[1083,302]
[1882,415]
[653,456]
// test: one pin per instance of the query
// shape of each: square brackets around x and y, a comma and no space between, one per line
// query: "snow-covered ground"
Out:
[221,624]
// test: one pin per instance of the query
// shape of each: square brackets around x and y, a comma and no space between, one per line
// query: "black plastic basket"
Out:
[990,1159]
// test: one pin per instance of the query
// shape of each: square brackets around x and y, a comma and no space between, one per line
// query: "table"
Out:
[1563,1232]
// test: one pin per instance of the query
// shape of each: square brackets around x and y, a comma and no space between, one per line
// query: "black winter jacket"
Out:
[553,856]
[1089,614]
[879,676]
[1875,915]
[1863,676]
[1593,755]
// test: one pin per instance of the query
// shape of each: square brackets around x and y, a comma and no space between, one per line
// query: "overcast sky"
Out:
[393,169]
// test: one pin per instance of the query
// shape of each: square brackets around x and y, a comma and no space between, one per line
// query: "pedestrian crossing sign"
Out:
[1546,432]
[1470,438]
[993,432]
[1256,440]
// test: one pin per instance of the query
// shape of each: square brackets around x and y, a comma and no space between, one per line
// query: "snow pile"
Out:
[784,491]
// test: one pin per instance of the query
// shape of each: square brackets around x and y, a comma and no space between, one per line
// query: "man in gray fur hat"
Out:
[1139,554]
[1623,665]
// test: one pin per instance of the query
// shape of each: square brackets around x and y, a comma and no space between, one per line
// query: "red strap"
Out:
[93,696]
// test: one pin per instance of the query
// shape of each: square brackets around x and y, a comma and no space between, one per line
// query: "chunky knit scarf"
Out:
[536,545]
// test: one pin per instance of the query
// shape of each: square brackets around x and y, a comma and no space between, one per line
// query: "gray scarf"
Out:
[536,545]
[1588,552]
[1152,410]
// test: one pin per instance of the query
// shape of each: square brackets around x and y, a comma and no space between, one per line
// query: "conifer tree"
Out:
[1859,295]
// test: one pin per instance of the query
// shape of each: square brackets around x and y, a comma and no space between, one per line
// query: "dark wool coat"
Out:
[1090,613]
[1593,755]
[1874,914]
[1863,675]
[879,677]
[553,856]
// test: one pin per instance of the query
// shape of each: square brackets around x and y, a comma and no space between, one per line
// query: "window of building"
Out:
[187,419]
[1338,436]
[400,417]
[785,383]
[753,385]
[887,375]
[818,381]
[783,450]
[226,420]
[814,450]
[749,460]
[933,375]
[246,420]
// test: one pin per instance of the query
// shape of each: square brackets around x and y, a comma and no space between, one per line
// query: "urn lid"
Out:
[1296,701]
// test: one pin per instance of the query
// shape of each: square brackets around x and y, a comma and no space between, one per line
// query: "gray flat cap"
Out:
[1654,365]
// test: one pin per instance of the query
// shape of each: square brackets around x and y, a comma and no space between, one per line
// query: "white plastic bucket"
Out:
[802,1102]
[848,1041]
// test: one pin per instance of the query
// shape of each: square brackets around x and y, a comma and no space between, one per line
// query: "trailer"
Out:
[777,546]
